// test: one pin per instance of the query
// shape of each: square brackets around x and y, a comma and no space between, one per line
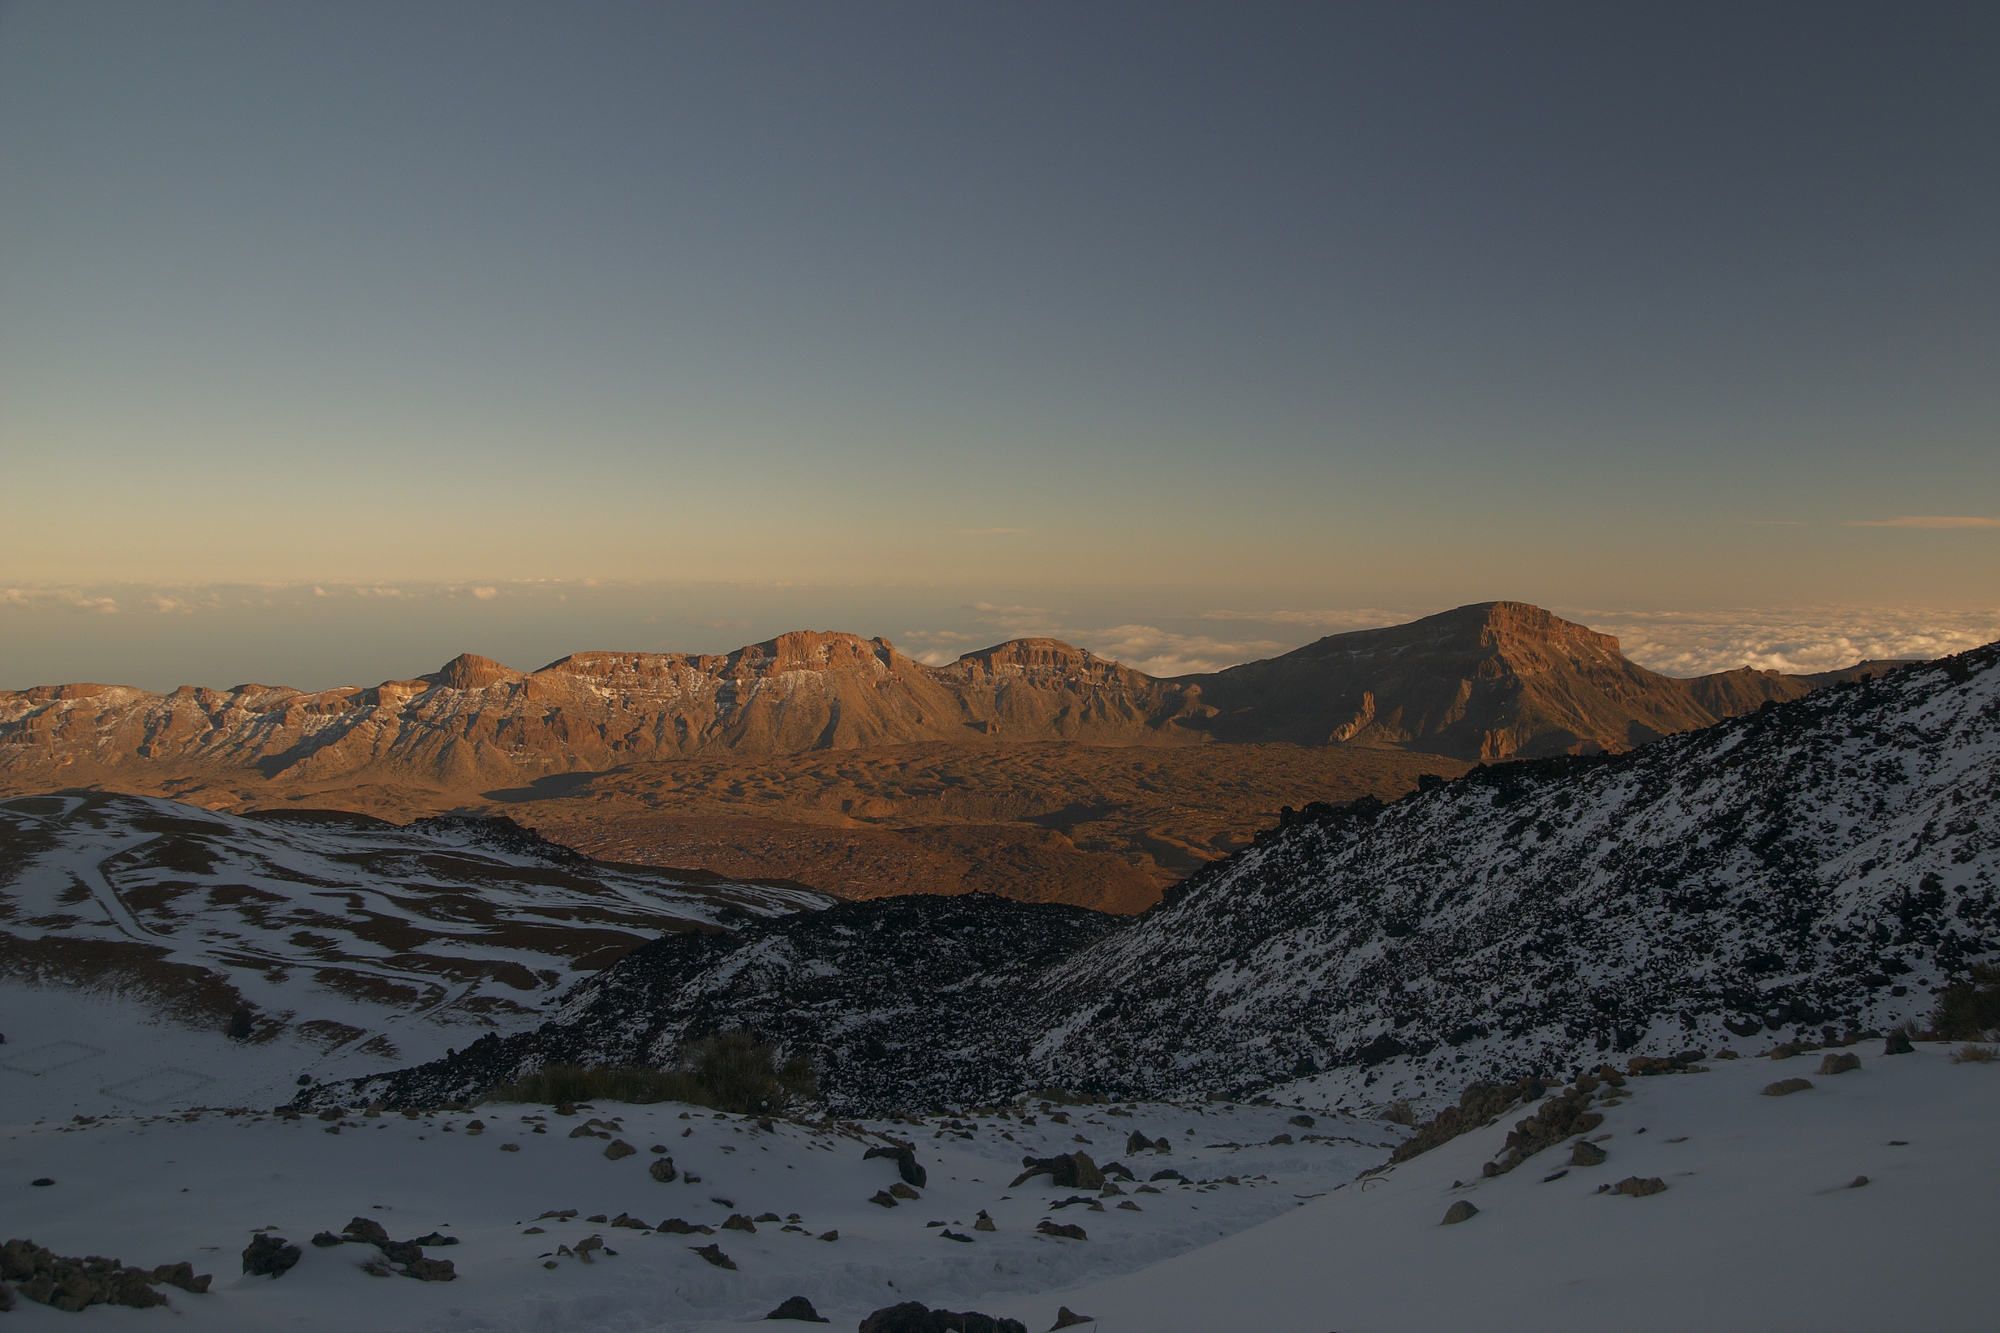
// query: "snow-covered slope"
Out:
[1819,865]
[1760,1226]
[335,944]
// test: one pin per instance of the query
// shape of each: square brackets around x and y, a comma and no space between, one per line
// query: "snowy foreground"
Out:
[1760,1226]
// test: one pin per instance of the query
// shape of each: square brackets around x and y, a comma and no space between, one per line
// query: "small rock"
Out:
[1302,1121]
[1857,1182]
[1129,1206]
[435,1238]
[400,1251]
[327,1240]
[1897,1043]
[618,1148]
[1278,1140]
[984,1223]
[1066,1317]
[884,1198]
[949,1234]
[269,1254]
[1839,1064]
[1586,1153]
[767,1217]
[1638,1188]
[1068,1229]
[1785,1087]
[829,1235]
[713,1253]
[797,1307]
[740,1222]
[1459,1212]
[902,1191]
[42,1181]
[510,1147]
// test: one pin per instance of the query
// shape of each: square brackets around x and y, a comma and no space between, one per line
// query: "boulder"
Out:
[430,1270]
[1897,1043]
[367,1231]
[1068,1171]
[799,1308]
[1068,1229]
[907,1165]
[1586,1153]
[1066,1317]
[1302,1121]
[1638,1188]
[740,1222]
[618,1148]
[326,1240]
[662,1170]
[713,1253]
[902,1191]
[268,1254]
[1839,1064]
[1785,1087]
[1461,1211]
[915,1317]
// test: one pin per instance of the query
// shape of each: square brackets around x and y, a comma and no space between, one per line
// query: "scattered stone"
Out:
[662,1170]
[1785,1087]
[72,1284]
[907,1165]
[630,1222]
[949,1234]
[1168,1174]
[1857,1182]
[1302,1121]
[435,1238]
[1638,1188]
[1558,1175]
[1129,1206]
[535,1231]
[1459,1212]
[799,1308]
[618,1148]
[713,1253]
[1069,1229]
[1065,1317]
[271,1255]
[829,1235]
[1839,1064]
[1897,1043]
[430,1270]
[767,1217]
[883,1197]
[560,1215]
[740,1222]
[597,1217]
[510,1147]
[1586,1153]
[1137,1142]
[914,1317]
[42,1182]
[984,1223]
[400,1251]
[902,1191]
[376,1268]
[680,1228]
[1279,1140]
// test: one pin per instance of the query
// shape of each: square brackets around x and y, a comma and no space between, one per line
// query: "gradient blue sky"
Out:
[867,316]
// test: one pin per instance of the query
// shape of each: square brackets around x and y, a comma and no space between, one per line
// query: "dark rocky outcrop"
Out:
[915,1317]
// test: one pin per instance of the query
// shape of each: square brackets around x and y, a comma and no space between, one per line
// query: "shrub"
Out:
[730,1071]
[1968,1010]
[1400,1112]
[1969,1054]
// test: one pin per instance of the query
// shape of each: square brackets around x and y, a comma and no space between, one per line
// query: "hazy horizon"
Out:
[317,636]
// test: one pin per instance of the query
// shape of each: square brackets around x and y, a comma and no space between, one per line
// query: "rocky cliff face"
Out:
[1817,866]
[1483,682]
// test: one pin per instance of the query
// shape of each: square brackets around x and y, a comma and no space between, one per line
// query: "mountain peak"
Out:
[469,671]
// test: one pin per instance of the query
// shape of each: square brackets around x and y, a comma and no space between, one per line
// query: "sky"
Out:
[1190,332]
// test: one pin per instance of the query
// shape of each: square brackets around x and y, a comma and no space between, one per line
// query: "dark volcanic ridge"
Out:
[1816,866]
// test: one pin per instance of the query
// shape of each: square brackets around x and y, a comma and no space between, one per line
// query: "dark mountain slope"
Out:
[1822,863]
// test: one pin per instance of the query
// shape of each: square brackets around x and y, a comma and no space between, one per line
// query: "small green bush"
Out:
[730,1071]
[1968,1010]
